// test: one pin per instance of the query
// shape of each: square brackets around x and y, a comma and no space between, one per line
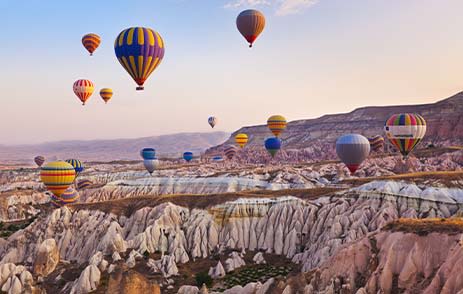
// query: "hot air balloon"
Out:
[241,139]
[212,121]
[57,176]
[188,156]
[250,24]
[39,160]
[82,184]
[150,165]
[376,143]
[272,145]
[83,89]
[217,158]
[68,197]
[230,152]
[139,51]
[405,131]
[91,42]
[106,94]
[148,153]
[352,149]
[78,166]
[276,124]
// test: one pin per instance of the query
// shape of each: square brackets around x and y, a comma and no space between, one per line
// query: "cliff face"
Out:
[444,125]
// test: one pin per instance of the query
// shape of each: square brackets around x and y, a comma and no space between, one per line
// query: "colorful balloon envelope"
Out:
[140,51]
[230,152]
[212,121]
[151,165]
[276,124]
[39,160]
[273,145]
[148,153]
[352,149]
[83,89]
[106,94]
[217,158]
[188,156]
[91,42]
[250,24]
[376,143]
[405,131]
[77,164]
[82,184]
[57,176]
[241,139]
[69,196]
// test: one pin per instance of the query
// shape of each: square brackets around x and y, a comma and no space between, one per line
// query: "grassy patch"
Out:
[426,226]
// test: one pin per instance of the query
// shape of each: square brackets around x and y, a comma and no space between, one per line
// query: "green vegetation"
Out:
[203,278]
[254,273]
[7,230]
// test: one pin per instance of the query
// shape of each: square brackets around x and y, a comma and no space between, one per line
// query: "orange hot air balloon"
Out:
[106,94]
[250,24]
[91,42]
[241,139]
[83,89]
[276,124]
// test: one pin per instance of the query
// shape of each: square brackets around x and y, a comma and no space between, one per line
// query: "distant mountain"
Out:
[444,125]
[118,149]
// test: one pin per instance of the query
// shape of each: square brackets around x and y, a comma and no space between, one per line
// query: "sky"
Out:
[313,58]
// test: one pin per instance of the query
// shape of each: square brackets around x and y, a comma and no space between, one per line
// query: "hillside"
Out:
[444,120]
[118,149]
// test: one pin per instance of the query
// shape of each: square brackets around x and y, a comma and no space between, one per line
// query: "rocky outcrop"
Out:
[88,281]
[166,266]
[217,271]
[15,279]
[130,282]
[233,262]
[388,262]
[259,258]
[47,258]
[187,289]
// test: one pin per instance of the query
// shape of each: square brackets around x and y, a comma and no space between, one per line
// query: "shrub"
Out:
[203,278]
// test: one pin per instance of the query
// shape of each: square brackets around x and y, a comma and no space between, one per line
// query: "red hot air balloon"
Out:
[83,89]
[250,24]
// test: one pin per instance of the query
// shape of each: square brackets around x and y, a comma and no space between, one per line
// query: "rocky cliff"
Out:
[444,126]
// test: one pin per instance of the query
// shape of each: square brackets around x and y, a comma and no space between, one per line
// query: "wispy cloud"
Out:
[282,7]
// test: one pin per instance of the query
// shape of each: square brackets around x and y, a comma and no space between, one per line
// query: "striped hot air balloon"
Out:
[212,121]
[230,152]
[106,94]
[57,176]
[273,145]
[241,139]
[68,197]
[276,124]
[82,184]
[91,42]
[148,153]
[139,51]
[39,160]
[83,89]
[250,24]
[376,143]
[188,156]
[77,164]
[405,131]
[352,149]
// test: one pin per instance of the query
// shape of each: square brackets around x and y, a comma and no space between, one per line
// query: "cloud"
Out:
[281,7]
[293,6]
